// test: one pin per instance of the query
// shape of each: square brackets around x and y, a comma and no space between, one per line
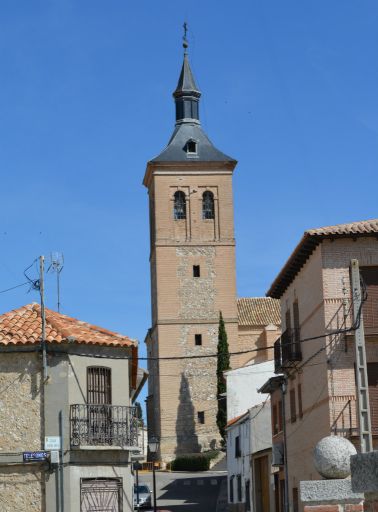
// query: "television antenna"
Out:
[56,266]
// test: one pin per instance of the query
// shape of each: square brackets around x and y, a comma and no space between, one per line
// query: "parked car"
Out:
[142,493]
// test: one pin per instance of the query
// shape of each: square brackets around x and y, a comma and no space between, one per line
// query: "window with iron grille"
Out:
[280,418]
[372,372]
[293,409]
[300,407]
[275,419]
[370,306]
[99,385]
[179,205]
[239,485]
[208,205]
[103,494]
[237,447]
[231,490]
[295,499]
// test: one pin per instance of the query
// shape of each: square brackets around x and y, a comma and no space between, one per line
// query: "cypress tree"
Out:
[139,412]
[223,364]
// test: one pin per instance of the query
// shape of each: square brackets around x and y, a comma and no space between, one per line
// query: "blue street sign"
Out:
[35,456]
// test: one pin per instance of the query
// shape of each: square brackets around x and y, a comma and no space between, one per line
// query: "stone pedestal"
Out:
[335,493]
[330,496]
[364,467]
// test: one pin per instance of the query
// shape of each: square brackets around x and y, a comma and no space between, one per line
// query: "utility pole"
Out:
[361,365]
[43,316]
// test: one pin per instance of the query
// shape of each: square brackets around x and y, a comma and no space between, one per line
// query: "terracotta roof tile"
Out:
[310,240]
[235,420]
[259,311]
[23,326]
[361,227]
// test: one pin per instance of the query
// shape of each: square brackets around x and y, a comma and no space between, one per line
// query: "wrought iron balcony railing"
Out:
[277,356]
[287,349]
[103,425]
[370,314]
[291,346]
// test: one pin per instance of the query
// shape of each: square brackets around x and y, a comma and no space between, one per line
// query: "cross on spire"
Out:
[185,40]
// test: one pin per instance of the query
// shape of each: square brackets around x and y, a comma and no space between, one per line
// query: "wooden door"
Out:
[262,484]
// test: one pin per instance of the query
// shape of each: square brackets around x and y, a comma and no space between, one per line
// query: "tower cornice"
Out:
[190,168]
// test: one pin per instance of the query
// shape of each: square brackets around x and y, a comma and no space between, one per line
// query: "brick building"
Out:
[192,263]
[316,351]
[83,407]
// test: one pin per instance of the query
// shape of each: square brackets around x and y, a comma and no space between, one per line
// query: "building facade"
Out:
[316,352]
[249,458]
[192,262]
[67,427]
[249,438]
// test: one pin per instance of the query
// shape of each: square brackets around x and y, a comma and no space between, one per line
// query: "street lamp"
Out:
[153,446]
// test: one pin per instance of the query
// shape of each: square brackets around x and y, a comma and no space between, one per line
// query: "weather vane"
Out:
[185,43]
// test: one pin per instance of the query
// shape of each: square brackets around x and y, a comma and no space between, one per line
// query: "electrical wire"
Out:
[34,283]
[14,287]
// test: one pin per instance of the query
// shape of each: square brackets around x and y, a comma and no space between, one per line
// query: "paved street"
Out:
[184,492]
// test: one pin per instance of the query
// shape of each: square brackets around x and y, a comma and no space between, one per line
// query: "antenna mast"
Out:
[56,265]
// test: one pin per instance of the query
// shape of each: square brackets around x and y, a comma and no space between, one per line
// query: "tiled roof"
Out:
[311,238]
[259,311]
[362,227]
[235,420]
[23,326]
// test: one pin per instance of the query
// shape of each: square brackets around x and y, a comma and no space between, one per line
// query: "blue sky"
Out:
[290,89]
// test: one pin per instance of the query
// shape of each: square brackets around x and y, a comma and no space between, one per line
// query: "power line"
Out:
[14,287]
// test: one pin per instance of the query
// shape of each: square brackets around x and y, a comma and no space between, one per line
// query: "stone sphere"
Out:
[332,457]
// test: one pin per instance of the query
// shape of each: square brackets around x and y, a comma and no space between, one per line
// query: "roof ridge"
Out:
[342,224]
[248,298]
[310,239]
[23,325]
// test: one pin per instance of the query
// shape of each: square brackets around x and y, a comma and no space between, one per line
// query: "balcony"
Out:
[277,356]
[106,426]
[291,346]
[287,349]
[370,315]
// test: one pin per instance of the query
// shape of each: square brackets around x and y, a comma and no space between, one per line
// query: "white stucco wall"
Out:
[238,465]
[242,386]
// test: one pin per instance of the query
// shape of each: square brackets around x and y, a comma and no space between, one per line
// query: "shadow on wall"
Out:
[187,440]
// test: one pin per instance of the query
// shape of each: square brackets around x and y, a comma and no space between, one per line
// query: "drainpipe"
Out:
[286,469]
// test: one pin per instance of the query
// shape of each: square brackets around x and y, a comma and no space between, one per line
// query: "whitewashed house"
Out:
[248,420]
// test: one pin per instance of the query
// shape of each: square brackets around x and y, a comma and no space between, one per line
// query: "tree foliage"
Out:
[223,364]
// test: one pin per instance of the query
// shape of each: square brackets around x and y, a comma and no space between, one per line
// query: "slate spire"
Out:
[189,143]
[186,94]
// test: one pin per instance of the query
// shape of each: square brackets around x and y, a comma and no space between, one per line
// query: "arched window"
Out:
[208,205]
[179,208]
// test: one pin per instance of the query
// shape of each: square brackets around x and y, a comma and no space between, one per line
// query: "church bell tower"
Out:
[192,261]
